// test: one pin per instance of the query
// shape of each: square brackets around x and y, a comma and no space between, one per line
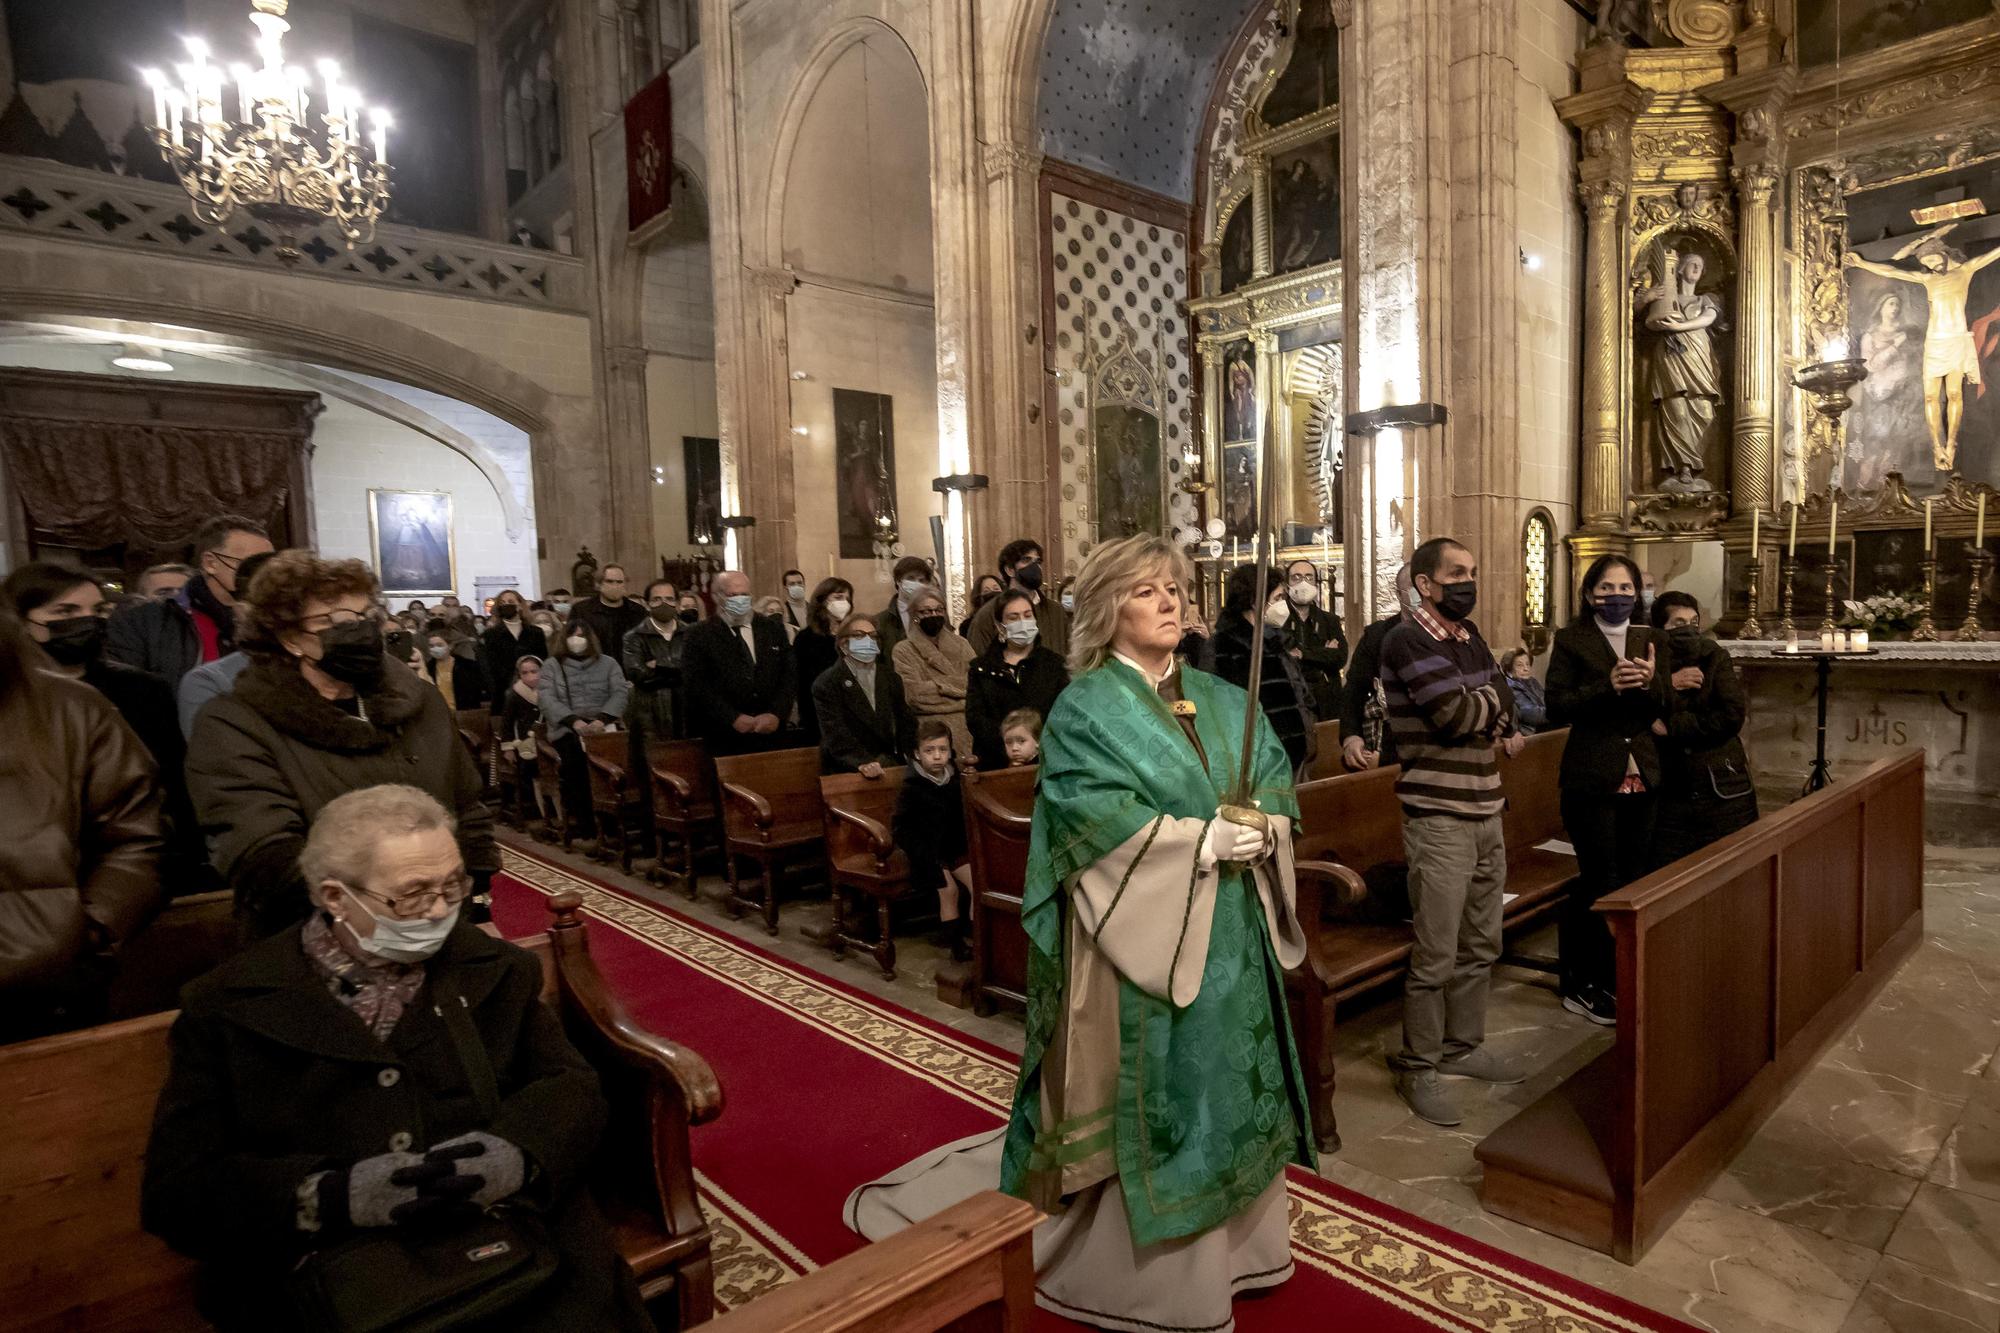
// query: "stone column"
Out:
[1603,299]
[1751,457]
[964,362]
[1013,449]
[764,472]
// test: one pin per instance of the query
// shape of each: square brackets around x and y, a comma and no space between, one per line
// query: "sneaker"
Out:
[1427,1097]
[1483,1065]
[1600,1007]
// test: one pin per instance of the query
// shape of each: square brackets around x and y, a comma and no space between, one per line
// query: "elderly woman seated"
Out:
[375,1088]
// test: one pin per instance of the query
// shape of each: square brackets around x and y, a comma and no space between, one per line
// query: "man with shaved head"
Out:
[738,672]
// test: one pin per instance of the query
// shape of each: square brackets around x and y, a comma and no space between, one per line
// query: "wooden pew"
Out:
[1355,822]
[1326,753]
[999,815]
[548,785]
[79,1108]
[862,853]
[770,813]
[475,728]
[1737,965]
[972,1267]
[190,936]
[686,809]
[613,794]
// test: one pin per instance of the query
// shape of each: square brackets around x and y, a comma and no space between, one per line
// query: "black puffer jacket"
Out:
[265,758]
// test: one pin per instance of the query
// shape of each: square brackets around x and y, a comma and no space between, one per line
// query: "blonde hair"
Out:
[1105,584]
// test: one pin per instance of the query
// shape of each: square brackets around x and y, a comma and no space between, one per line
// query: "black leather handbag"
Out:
[437,1278]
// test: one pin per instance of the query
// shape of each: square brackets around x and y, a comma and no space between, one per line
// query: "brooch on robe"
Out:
[1183,708]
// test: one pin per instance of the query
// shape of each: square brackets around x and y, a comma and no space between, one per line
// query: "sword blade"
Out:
[1266,500]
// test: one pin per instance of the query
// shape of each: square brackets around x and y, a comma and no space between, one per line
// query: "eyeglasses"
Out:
[342,617]
[420,898]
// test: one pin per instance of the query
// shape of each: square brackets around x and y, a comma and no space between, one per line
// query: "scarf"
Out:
[203,599]
[375,994]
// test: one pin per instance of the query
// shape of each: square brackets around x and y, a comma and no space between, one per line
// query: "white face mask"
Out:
[576,644]
[1021,633]
[440,652]
[911,589]
[1305,594]
[796,591]
[1069,601]
[838,607]
[1277,614]
[402,941]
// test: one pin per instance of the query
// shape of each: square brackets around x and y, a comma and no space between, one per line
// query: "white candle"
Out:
[1832,528]
[1755,514]
[1791,641]
[1859,640]
[382,142]
[1979,525]
[1927,527]
[1826,640]
[1840,641]
[1792,539]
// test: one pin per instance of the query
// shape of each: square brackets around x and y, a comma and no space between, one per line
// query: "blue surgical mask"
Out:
[402,941]
[1069,601]
[863,648]
[737,607]
[1021,633]
[910,588]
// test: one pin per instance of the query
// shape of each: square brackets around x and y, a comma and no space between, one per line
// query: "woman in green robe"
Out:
[1160,1098]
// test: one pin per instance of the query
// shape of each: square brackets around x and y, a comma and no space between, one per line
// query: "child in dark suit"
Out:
[930,828]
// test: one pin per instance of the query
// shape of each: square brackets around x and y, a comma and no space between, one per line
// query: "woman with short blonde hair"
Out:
[1159,930]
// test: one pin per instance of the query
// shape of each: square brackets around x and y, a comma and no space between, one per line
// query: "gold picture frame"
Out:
[412,543]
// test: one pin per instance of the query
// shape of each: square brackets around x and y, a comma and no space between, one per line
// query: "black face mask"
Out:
[507,611]
[75,642]
[663,613]
[931,625]
[1456,600]
[1685,640]
[352,653]
[1029,576]
[981,599]
[689,615]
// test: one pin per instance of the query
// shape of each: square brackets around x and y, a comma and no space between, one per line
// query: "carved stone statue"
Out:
[1622,22]
[1685,376]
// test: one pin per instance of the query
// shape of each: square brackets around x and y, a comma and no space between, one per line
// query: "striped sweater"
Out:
[1447,706]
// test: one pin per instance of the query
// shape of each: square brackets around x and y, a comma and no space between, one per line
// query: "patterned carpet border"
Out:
[1446,1285]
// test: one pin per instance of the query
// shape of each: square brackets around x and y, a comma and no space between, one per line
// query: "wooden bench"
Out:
[190,936]
[970,1268]
[770,813]
[1737,965]
[475,728]
[861,851]
[686,810]
[1326,762]
[79,1109]
[548,786]
[1354,821]
[999,815]
[614,798]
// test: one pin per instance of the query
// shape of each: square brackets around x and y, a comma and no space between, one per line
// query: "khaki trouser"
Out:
[1458,876]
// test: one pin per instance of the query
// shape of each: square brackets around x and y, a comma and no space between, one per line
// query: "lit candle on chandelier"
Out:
[382,138]
[158,84]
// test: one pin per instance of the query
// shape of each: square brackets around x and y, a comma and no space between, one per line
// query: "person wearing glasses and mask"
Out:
[742,679]
[895,622]
[1017,672]
[864,726]
[380,1071]
[1314,637]
[320,711]
[1705,787]
[172,636]
[934,664]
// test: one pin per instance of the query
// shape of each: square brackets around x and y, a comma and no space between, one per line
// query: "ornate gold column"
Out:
[1603,403]
[1751,457]
[1260,216]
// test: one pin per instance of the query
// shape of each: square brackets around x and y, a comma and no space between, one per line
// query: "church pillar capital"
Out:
[1003,160]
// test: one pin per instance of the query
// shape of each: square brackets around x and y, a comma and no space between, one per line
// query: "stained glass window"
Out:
[1537,555]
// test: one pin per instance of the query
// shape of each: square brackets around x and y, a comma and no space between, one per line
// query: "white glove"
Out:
[1234,842]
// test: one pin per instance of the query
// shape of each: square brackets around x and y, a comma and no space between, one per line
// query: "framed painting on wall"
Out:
[864,479]
[410,538]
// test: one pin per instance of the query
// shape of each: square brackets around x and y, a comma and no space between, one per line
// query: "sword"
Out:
[1240,807]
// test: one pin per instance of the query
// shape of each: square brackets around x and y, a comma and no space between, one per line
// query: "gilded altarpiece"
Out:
[1268,319]
[1748,219]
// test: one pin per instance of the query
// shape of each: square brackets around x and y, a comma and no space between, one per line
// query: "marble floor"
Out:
[1868,1203]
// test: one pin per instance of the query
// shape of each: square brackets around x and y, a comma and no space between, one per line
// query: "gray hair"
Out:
[186,571]
[1105,584]
[341,845]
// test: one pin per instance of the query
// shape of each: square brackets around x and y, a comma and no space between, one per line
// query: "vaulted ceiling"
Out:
[1125,84]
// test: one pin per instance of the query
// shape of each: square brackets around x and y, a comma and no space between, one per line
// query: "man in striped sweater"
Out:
[1450,712]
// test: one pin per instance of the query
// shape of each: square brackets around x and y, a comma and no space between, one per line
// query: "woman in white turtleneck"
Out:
[1605,684]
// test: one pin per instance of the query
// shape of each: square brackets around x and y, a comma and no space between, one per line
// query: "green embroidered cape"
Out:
[1210,1104]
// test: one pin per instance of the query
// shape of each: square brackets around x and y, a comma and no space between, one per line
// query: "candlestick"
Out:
[1786,574]
[1982,566]
[1926,632]
[1832,572]
[1751,629]
[1792,538]
[1927,523]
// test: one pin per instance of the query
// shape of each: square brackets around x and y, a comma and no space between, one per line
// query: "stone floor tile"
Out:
[1951,1233]
[1901,1298]
[1786,1173]
[1793,1279]
[1970,1158]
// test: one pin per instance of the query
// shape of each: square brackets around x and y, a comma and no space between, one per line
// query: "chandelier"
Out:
[271,160]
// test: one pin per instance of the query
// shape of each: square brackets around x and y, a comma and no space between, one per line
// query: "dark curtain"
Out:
[100,484]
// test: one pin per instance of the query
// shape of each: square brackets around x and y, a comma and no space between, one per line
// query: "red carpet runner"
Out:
[826,1087]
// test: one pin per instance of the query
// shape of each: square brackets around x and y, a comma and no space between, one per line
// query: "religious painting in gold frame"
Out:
[411,541]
